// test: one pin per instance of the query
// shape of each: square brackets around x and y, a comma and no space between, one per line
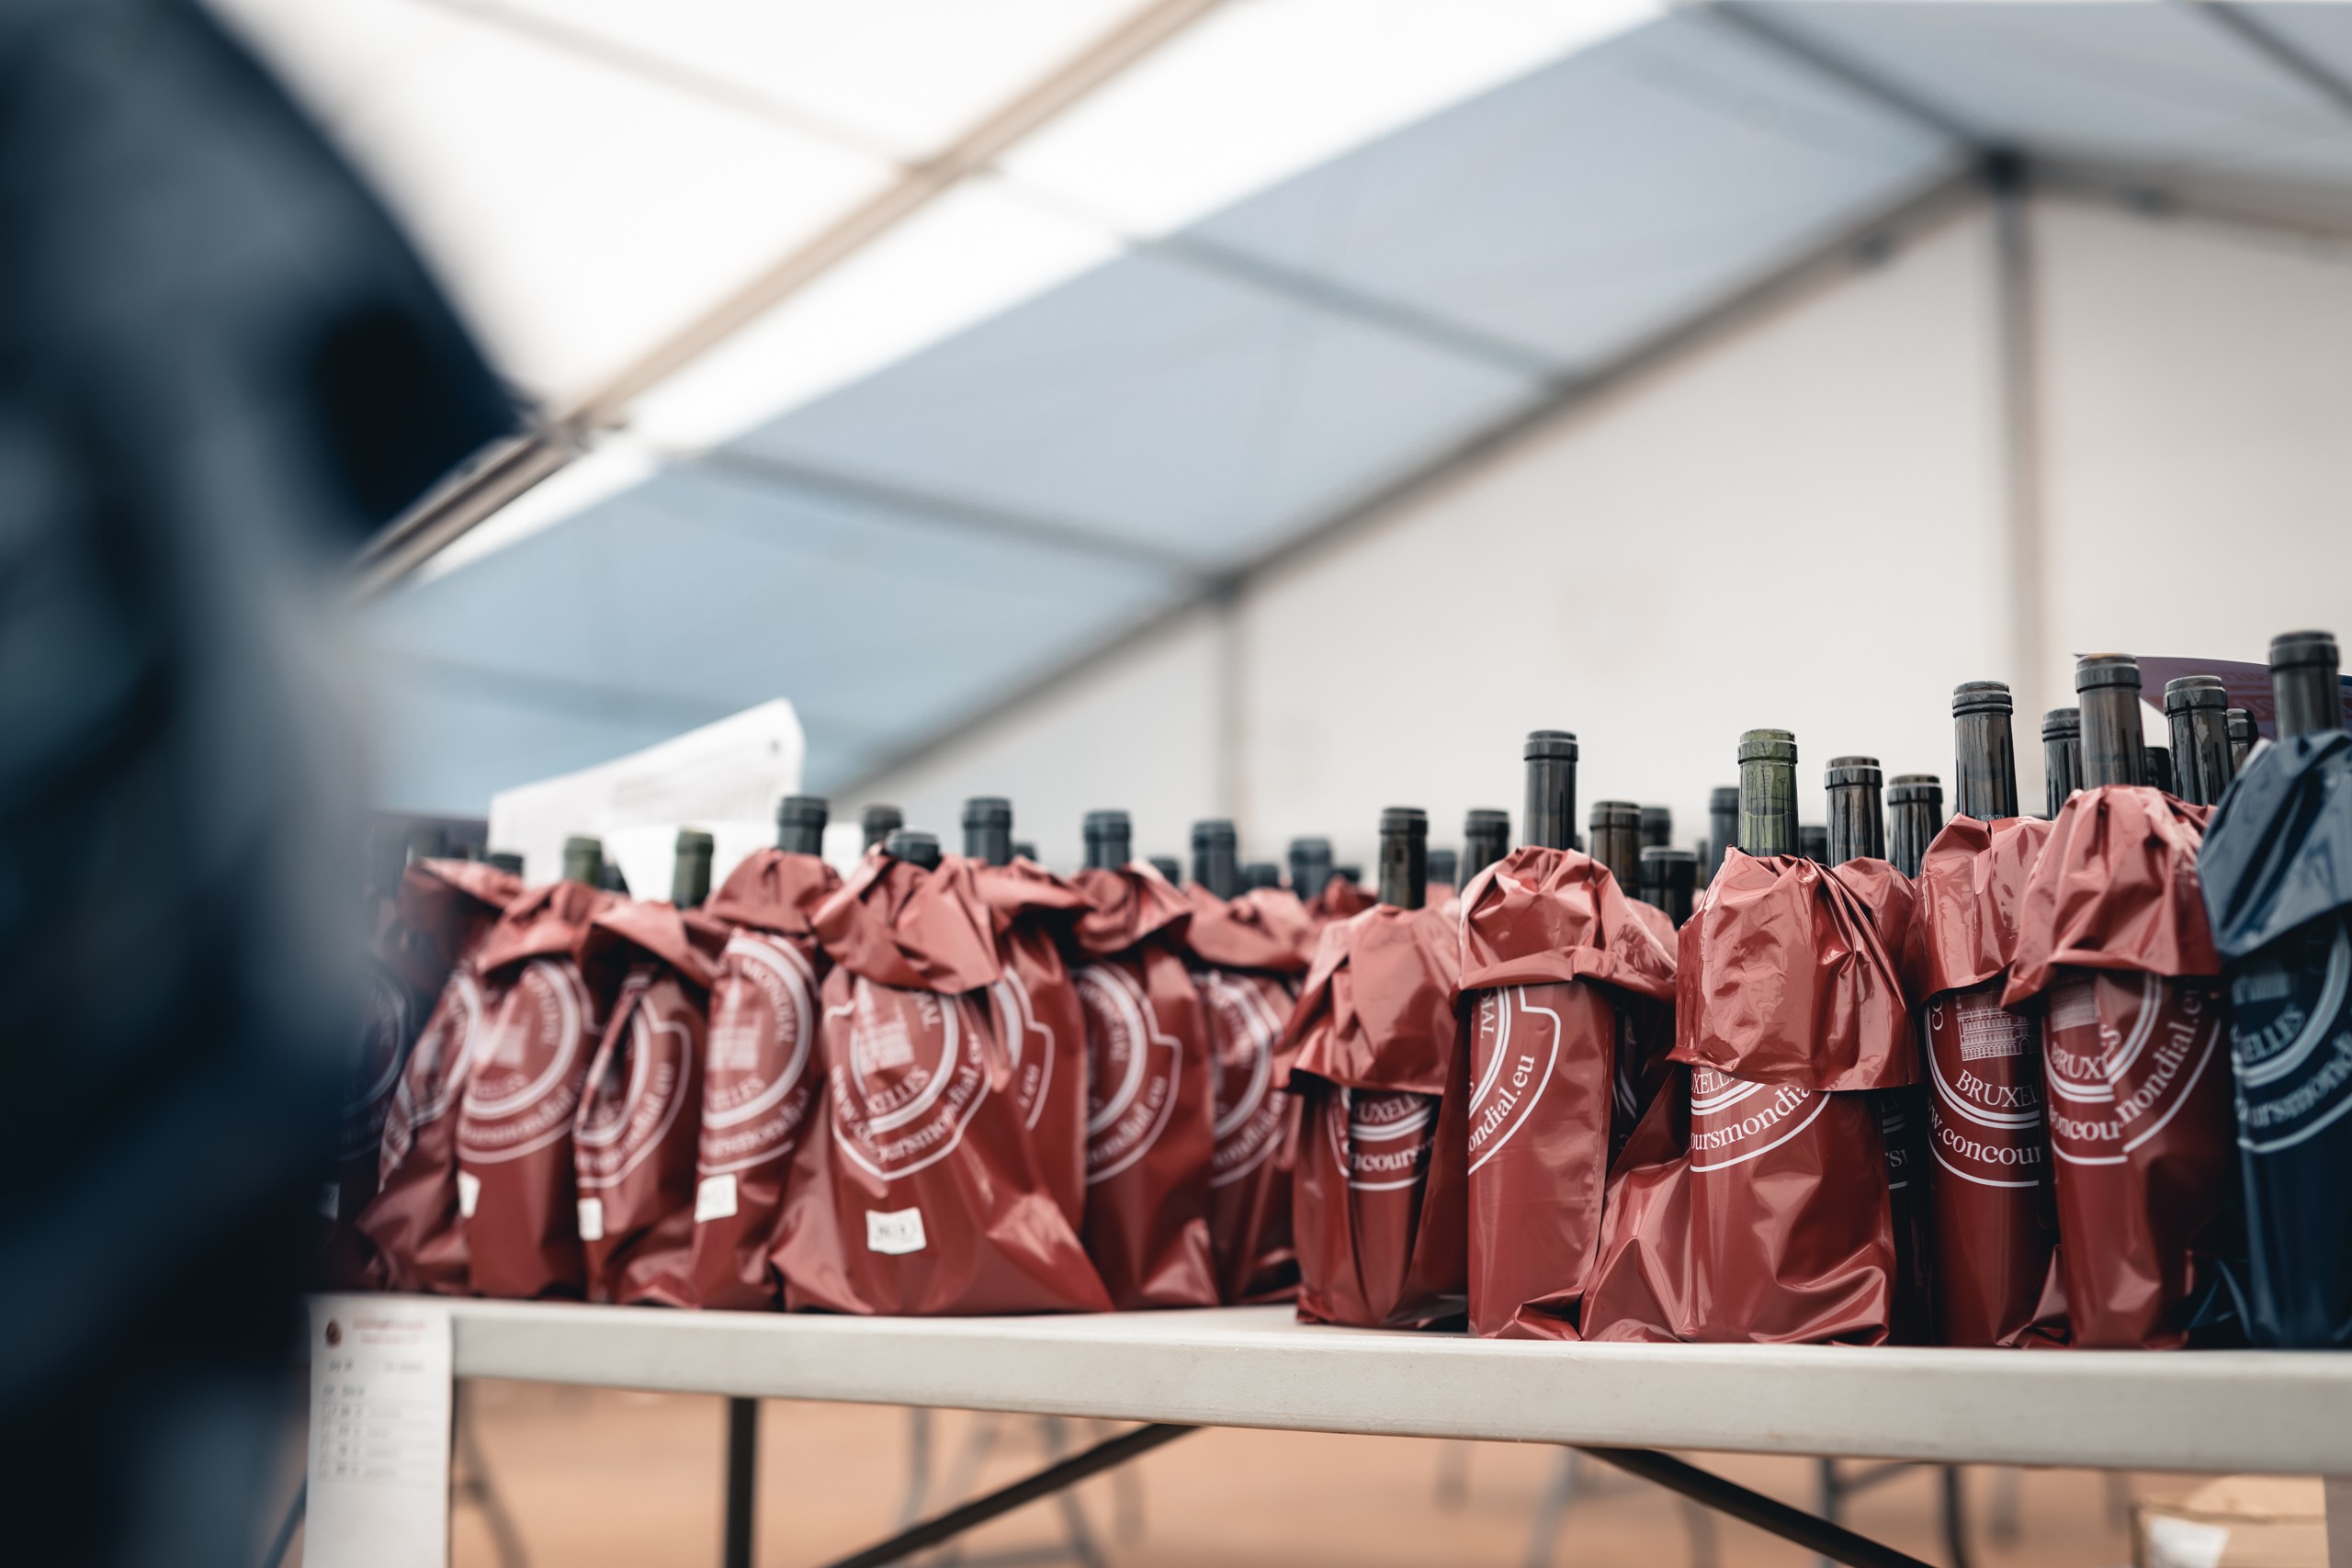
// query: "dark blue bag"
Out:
[2277,868]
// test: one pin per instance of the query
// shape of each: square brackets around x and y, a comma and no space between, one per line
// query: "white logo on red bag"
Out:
[914,1074]
[1984,1064]
[1513,1053]
[2114,1086]
[755,1073]
[525,1086]
[635,1086]
[1134,1068]
[1243,1026]
[1381,1137]
[1733,1120]
[1029,1042]
[374,1069]
[435,1073]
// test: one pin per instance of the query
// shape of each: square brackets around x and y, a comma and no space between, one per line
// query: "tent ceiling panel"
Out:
[702,590]
[2158,88]
[1155,402]
[1598,200]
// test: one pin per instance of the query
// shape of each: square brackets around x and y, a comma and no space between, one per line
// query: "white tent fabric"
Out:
[1205,367]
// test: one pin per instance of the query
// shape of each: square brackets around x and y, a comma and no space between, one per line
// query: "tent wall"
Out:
[1805,524]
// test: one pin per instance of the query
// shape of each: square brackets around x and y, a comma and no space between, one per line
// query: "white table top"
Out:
[2220,1411]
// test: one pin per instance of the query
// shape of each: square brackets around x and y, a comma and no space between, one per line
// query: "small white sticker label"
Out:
[591,1219]
[715,1198]
[469,1193]
[896,1233]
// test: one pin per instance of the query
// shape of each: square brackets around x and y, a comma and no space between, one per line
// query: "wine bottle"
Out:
[1616,828]
[1915,815]
[1669,880]
[1812,843]
[1216,857]
[1767,792]
[1442,865]
[2242,738]
[1723,825]
[879,822]
[2197,712]
[1023,849]
[2062,757]
[1168,868]
[1857,815]
[1486,839]
[913,846]
[1110,840]
[2304,683]
[988,830]
[506,861]
[583,861]
[2107,687]
[1551,819]
[2158,759]
[1404,856]
[1984,766]
[690,869]
[1657,826]
[800,824]
[1262,874]
[1310,866]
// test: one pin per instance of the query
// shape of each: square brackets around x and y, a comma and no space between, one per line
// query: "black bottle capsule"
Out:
[1812,843]
[1310,865]
[2062,756]
[879,822]
[2158,761]
[1444,863]
[690,870]
[1985,757]
[1352,875]
[1551,818]
[2106,688]
[1110,840]
[988,830]
[583,861]
[1216,857]
[1669,878]
[1262,874]
[1486,839]
[913,846]
[1767,793]
[1616,828]
[506,861]
[2197,712]
[800,824]
[1856,815]
[2304,683]
[1657,826]
[1404,856]
[1915,815]
[1023,849]
[1723,825]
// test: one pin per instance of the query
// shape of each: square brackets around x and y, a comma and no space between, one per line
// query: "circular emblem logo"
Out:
[1512,1052]
[2124,1052]
[912,1072]
[436,1071]
[1029,1042]
[1381,1137]
[755,1070]
[1131,1084]
[1244,1022]
[1732,1121]
[1985,1066]
[2290,1036]
[637,1085]
[526,1081]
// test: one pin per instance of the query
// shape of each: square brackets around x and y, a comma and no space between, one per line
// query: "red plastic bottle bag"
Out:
[1040,1017]
[408,1221]
[919,1191]
[1150,1095]
[634,1138]
[1755,1201]
[547,981]
[1248,954]
[760,1074]
[1553,952]
[1994,1224]
[1378,1211]
[2112,937]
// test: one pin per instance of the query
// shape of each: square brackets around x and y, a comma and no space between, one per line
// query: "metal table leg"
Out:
[743,1482]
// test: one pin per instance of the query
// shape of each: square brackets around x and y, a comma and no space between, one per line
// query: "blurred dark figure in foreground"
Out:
[220,369]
